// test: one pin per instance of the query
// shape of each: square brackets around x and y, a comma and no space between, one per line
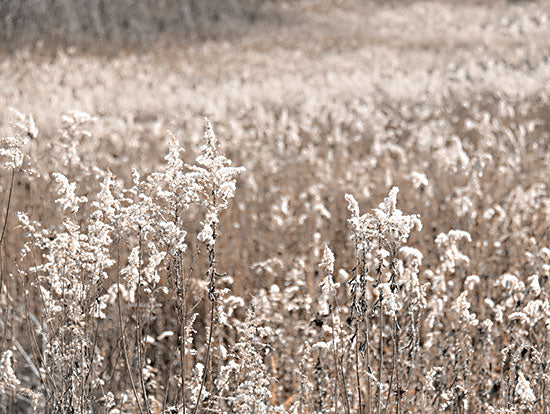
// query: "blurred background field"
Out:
[341,50]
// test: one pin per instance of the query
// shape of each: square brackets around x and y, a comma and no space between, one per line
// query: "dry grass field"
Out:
[327,207]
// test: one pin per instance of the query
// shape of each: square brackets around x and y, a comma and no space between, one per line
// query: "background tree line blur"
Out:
[100,24]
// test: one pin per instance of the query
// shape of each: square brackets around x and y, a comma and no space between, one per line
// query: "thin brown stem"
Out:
[167,379]
[388,397]
[7,207]
[396,367]
[335,305]
[212,294]
[381,356]
[336,371]
[122,335]
[357,376]
[139,327]
[6,216]
[209,345]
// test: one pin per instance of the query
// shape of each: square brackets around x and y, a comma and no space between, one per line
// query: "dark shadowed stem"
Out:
[9,311]
[33,343]
[336,371]
[122,335]
[212,296]
[7,207]
[359,267]
[365,306]
[367,348]
[544,395]
[185,284]
[344,387]
[4,230]
[388,397]
[357,377]
[212,272]
[207,361]
[90,386]
[335,305]
[48,381]
[381,350]
[181,292]
[395,370]
[396,367]
[168,377]
[139,327]
[182,365]
[4,335]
